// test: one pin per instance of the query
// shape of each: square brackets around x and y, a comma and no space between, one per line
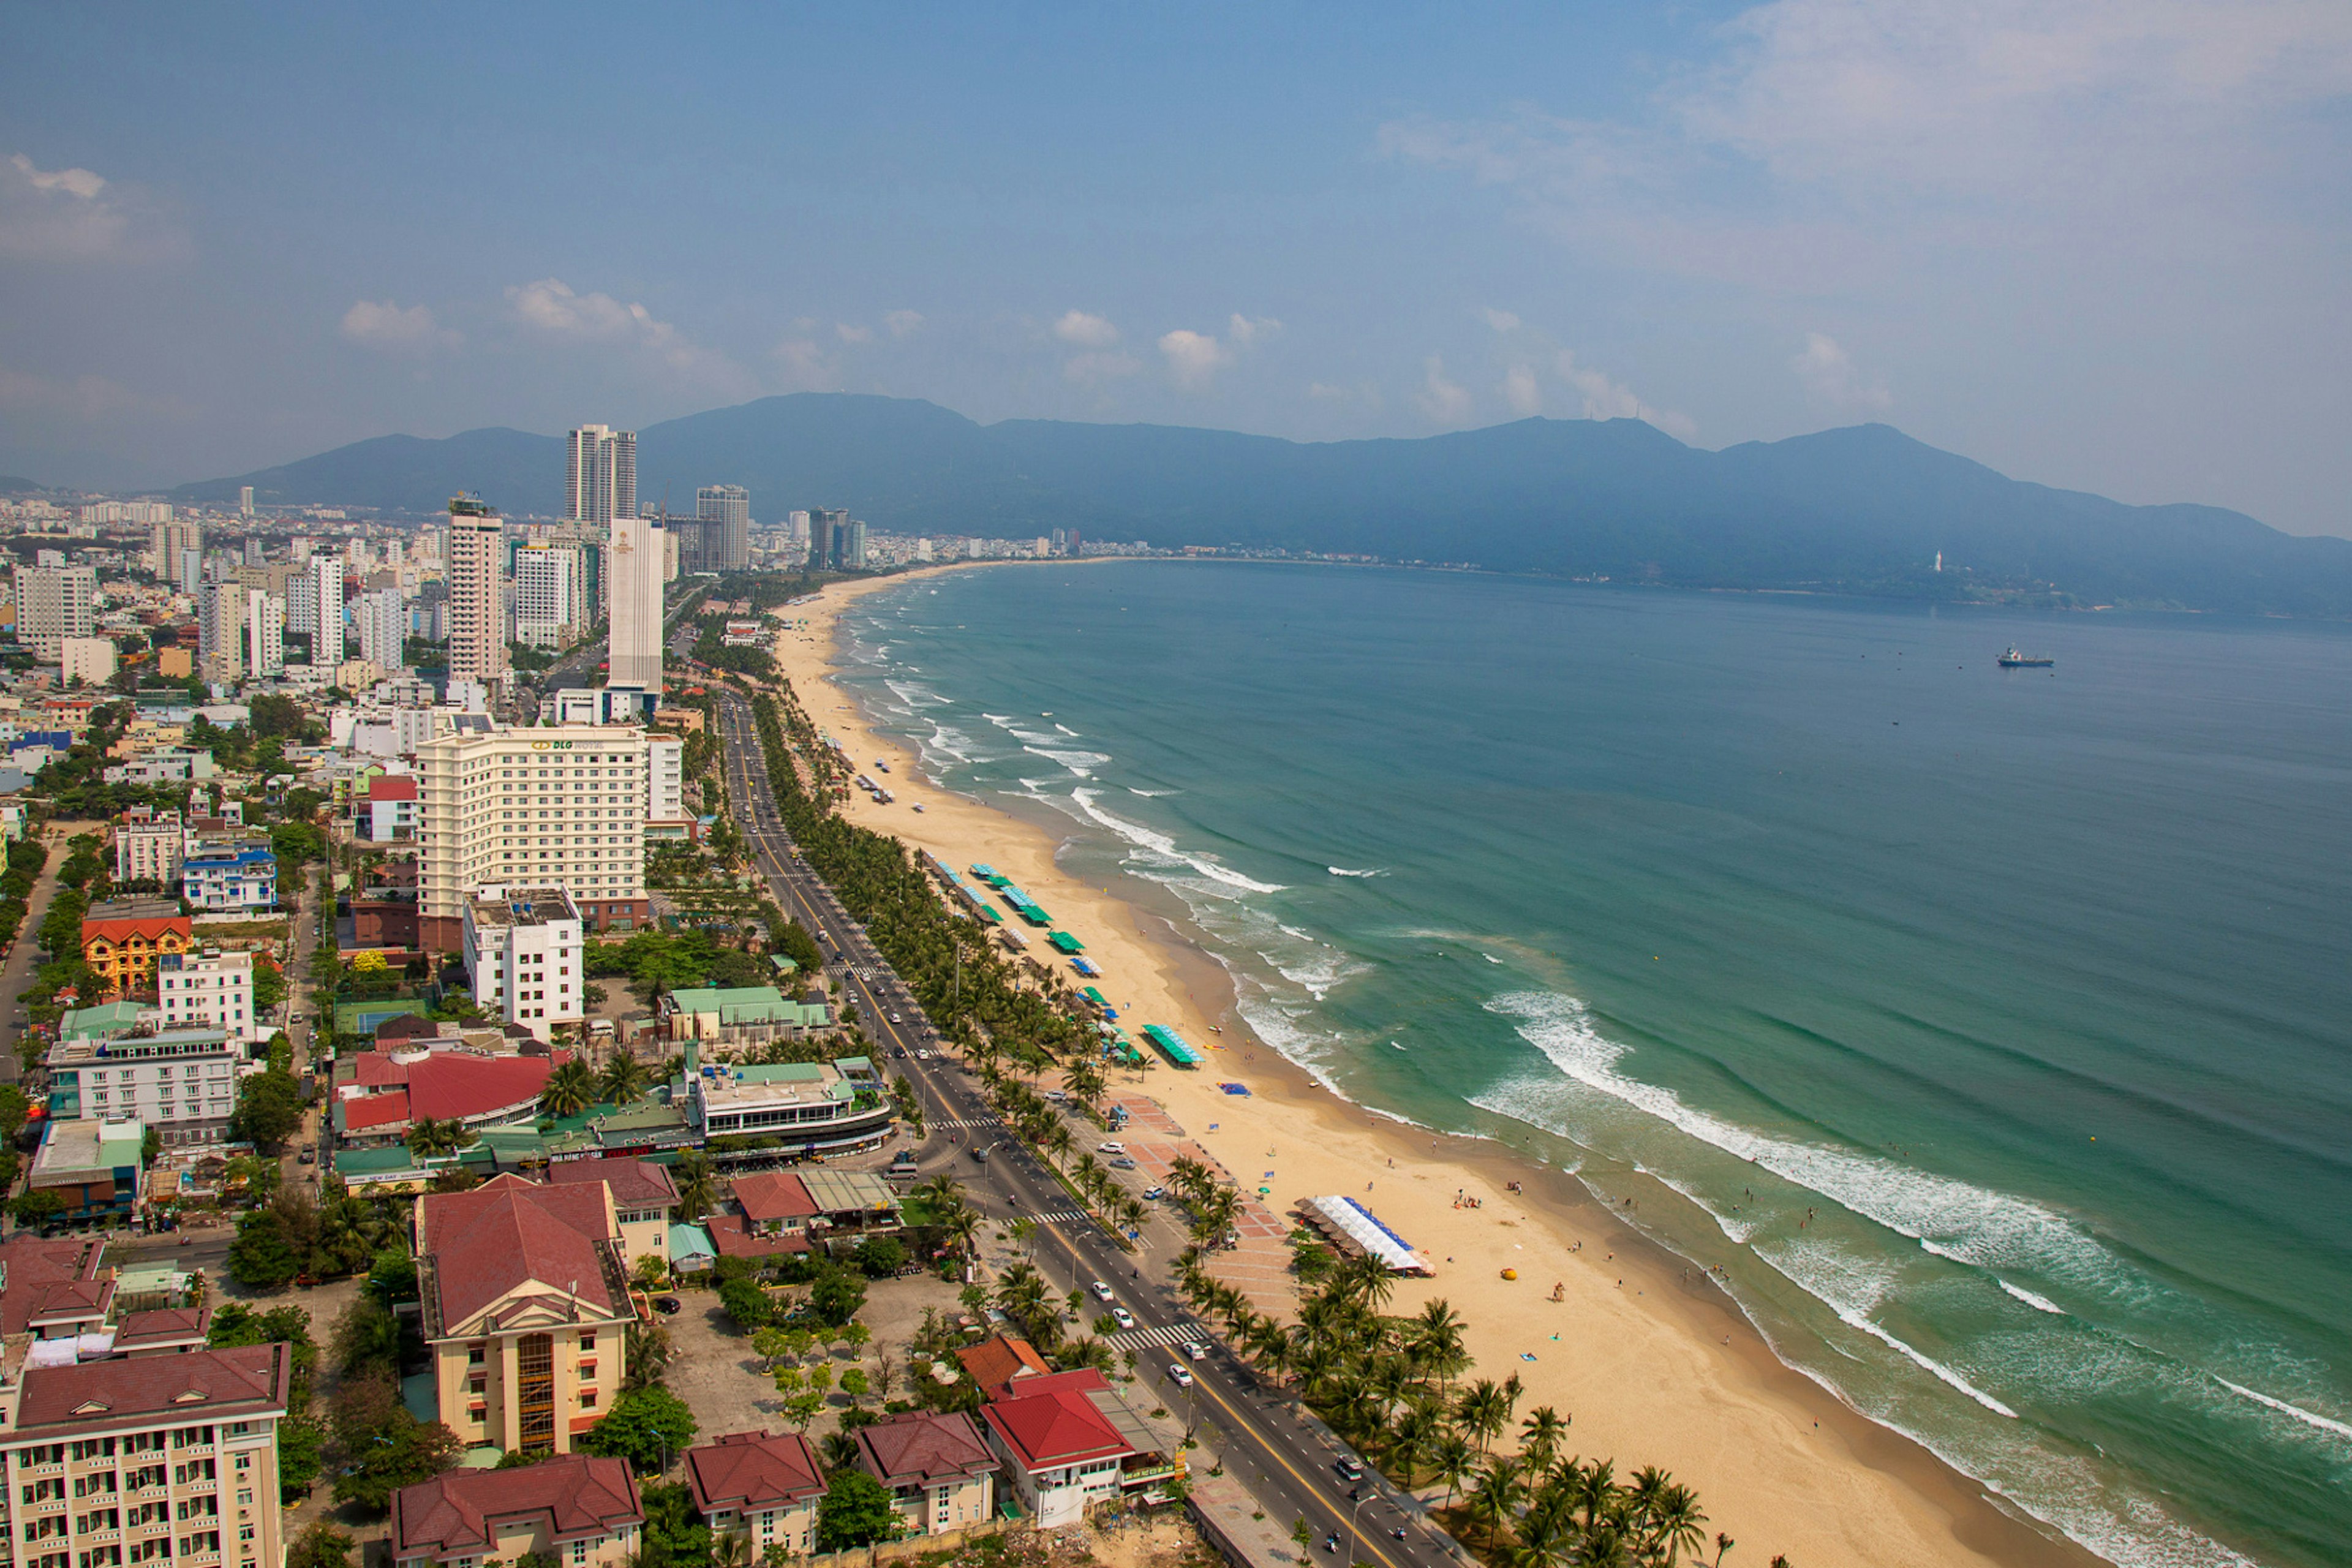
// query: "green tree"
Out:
[880,1257]
[39,1204]
[648,1428]
[838,1296]
[367,1339]
[376,1446]
[747,1304]
[320,1545]
[571,1089]
[301,1454]
[856,1510]
[268,1110]
[520,1459]
[261,1257]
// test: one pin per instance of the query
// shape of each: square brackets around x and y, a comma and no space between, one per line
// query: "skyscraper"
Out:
[220,631]
[476,554]
[636,572]
[725,514]
[263,632]
[826,531]
[549,608]
[382,626]
[600,474]
[54,603]
[327,597]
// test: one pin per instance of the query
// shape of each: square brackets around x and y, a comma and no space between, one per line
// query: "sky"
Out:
[2100,246]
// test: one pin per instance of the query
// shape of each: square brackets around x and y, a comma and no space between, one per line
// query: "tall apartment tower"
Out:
[264,631]
[637,564]
[476,554]
[220,632]
[382,620]
[54,603]
[826,531]
[600,474]
[326,576]
[245,500]
[725,514]
[548,607]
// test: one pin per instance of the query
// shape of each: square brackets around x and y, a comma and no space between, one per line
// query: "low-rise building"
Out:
[760,1487]
[92,1167]
[164,764]
[391,809]
[645,1200]
[524,956]
[1066,1442]
[122,949]
[572,1510]
[217,877]
[810,1108]
[181,1082]
[379,1094]
[740,1015]
[52,1289]
[208,989]
[526,1306]
[940,1469]
[152,1459]
[147,846]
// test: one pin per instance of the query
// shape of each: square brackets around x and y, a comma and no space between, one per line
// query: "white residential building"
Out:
[181,1082]
[264,634]
[634,567]
[54,603]
[666,777]
[326,574]
[600,474]
[208,989]
[548,612]
[147,846]
[90,660]
[383,618]
[524,956]
[551,806]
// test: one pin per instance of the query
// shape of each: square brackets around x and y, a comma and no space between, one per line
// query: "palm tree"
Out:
[1414,1436]
[1057,1141]
[1454,1461]
[1483,1412]
[1540,1434]
[962,1226]
[733,1548]
[942,1194]
[429,1138]
[698,1189]
[1495,1498]
[569,1089]
[624,1078]
[1594,1490]
[1674,1523]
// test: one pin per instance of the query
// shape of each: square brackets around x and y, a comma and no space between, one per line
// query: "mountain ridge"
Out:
[1859,509]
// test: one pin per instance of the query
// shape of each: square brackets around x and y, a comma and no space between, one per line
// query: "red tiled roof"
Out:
[363,1112]
[406,1026]
[923,1446]
[1002,1359]
[201,1385]
[507,1232]
[449,1087]
[452,1515]
[388,786]
[732,1236]
[149,927]
[773,1195]
[751,1470]
[29,1266]
[1057,1425]
[635,1184]
[70,1302]
[164,1326]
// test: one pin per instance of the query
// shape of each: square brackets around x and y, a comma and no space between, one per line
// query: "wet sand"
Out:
[1655,1365]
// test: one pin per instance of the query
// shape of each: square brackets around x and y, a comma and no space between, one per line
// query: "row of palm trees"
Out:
[1215,1205]
[1045,1128]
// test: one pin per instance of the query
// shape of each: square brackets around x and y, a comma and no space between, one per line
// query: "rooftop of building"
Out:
[207,1385]
[145,1040]
[774,1195]
[37,1274]
[635,1184]
[521,907]
[72,1149]
[923,1447]
[753,1470]
[772,1084]
[1049,1422]
[458,1514]
[164,1328]
[1001,1360]
[509,1235]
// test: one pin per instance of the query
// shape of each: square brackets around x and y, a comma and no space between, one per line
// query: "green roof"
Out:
[1065,943]
[381,1162]
[778,1072]
[98,1023]
[746,1005]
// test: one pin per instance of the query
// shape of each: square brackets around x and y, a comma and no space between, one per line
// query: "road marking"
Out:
[1144,1339]
[1268,1444]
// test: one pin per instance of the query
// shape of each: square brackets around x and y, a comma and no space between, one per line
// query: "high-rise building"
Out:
[245,500]
[253,550]
[167,1450]
[849,546]
[326,594]
[825,529]
[600,474]
[549,806]
[383,618]
[476,552]
[171,540]
[264,634]
[54,603]
[220,631]
[634,569]
[725,514]
[549,608]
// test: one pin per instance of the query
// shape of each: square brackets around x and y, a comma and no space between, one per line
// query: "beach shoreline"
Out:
[1654,1362]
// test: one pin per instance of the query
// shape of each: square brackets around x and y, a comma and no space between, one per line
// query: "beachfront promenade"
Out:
[1286,1459]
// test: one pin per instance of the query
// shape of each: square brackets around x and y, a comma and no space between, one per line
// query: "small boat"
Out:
[2012,660]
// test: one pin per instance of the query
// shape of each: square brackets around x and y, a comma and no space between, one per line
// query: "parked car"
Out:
[1123,1164]
[667,1304]
[1350,1468]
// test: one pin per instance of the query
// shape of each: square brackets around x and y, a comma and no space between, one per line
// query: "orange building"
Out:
[122,953]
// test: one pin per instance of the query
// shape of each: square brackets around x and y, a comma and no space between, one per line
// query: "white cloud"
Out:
[1092,369]
[385,325]
[1445,402]
[1193,358]
[850,335]
[66,214]
[84,398]
[805,367]
[902,323]
[1829,373]
[1605,398]
[1520,391]
[1086,331]
[1502,320]
[1245,331]
[553,310]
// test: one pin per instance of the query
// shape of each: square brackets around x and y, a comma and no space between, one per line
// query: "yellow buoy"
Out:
[1510,1273]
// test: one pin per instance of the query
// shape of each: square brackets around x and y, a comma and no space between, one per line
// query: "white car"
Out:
[1196,1349]
[1110,1148]
[1122,1317]
[1180,1372]
[1101,1291]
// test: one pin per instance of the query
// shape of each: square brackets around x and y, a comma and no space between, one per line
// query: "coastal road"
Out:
[1290,1463]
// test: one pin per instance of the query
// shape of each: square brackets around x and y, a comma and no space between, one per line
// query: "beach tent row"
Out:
[1171,1045]
[1352,1226]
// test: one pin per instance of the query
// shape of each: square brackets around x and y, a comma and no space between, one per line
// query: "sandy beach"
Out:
[1655,1365]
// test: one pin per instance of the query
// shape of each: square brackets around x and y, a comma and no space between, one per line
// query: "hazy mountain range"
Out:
[1861,509]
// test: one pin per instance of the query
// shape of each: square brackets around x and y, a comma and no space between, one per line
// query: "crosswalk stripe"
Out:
[1145,1339]
[968,1125]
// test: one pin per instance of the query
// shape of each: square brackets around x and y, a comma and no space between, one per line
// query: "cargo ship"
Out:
[2013,659]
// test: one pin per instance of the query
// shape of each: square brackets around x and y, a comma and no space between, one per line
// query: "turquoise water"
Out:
[1992,1030]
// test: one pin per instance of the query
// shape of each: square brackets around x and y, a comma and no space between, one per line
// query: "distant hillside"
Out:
[1863,510]
[10,485]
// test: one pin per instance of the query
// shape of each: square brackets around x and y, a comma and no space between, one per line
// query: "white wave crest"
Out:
[1856,1321]
[1148,794]
[2038,1303]
[2308,1417]
[1081,764]
[1143,838]
[1344,872]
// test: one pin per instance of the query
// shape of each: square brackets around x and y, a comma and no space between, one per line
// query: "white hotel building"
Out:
[524,956]
[208,989]
[560,805]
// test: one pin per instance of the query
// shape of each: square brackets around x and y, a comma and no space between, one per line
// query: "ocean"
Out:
[1990,1029]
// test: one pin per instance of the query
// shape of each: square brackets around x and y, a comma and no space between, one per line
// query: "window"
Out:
[587,1399]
